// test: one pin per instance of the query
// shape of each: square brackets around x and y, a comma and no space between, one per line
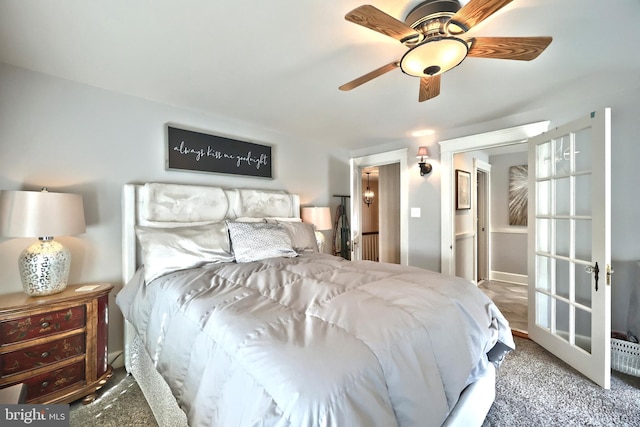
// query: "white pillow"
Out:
[283,219]
[303,236]
[253,241]
[165,250]
[248,219]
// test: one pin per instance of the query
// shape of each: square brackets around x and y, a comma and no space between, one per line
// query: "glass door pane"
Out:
[564,238]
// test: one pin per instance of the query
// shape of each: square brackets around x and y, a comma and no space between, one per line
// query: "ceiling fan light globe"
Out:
[434,56]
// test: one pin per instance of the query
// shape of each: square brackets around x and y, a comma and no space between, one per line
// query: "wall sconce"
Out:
[368,194]
[425,168]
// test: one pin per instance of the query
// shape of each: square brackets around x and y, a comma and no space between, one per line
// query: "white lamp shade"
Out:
[40,214]
[422,152]
[318,216]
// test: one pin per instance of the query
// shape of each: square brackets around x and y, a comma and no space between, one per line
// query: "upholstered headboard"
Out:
[174,205]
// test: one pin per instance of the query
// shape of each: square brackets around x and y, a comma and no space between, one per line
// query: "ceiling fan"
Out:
[434,34]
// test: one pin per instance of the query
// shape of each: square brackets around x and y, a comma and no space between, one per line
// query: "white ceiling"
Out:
[278,64]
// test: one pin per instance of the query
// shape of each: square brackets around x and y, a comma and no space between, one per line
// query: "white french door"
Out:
[570,244]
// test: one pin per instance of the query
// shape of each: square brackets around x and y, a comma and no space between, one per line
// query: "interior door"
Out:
[570,244]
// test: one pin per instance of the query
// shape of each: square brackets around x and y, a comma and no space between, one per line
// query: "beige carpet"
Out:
[534,388]
[120,403]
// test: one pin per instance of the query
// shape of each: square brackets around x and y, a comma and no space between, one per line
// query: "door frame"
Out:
[482,209]
[448,149]
[356,165]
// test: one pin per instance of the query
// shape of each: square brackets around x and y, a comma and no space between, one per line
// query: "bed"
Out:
[262,330]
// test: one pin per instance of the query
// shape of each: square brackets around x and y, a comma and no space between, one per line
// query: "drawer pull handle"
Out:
[44,354]
[45,324]
[44,384]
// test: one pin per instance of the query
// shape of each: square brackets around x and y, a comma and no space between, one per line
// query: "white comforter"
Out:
[314,341]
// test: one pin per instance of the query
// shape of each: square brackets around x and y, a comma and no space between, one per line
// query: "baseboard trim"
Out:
[116,359]
[519,333]
[501,276]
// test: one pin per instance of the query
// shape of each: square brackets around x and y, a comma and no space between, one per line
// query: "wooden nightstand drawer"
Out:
[41,325]
[53,381]
[41,355]
[56,344]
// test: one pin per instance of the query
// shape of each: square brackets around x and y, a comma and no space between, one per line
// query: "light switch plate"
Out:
[415,213]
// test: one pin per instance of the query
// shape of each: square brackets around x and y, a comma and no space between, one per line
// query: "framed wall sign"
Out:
[463,189]
[202,152]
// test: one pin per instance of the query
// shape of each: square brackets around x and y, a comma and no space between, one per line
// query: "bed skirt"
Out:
[471,410]
[156,391]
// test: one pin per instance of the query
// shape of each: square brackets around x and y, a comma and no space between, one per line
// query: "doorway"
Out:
[400,206]
[448,149]
[380,240]
[370,214]
[501,242]
[513,304]
[570,309]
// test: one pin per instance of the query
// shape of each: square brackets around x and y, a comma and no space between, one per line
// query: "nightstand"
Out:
[56,344]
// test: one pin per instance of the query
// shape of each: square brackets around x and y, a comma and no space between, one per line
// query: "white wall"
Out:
[508,243]
[464,230]
[75,138]
[424,193]
[370,222]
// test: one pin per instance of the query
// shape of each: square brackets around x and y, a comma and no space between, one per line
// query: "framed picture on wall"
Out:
[518,195]
[463,189]
[204,152]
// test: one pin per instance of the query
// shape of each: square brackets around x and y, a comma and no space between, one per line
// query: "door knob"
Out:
[596,271]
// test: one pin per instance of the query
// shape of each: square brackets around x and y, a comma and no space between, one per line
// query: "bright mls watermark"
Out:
[34,415]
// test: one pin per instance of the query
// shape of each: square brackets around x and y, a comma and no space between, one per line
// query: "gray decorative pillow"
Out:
[303,235]
[165,250]
[253,241]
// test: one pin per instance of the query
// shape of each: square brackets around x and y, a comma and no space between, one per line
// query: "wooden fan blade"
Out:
[376,20]
[370,76]
[473,13]
[520,48]
[429,87]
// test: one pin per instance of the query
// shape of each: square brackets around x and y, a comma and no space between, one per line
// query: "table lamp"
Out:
[321,220]
[44,266]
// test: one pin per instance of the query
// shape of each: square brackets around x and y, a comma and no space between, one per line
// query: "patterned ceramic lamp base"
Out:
[44,268]
[321,241]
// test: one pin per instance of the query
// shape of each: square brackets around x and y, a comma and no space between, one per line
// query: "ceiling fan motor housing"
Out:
[430,18]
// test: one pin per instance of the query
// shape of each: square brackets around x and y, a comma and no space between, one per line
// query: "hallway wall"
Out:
[508,242]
